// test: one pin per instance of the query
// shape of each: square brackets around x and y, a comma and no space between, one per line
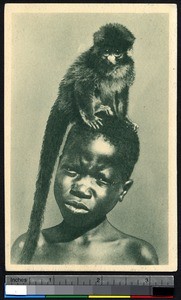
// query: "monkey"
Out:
[98,81]
[100,78]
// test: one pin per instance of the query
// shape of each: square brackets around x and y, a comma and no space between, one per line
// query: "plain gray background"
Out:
[43,47]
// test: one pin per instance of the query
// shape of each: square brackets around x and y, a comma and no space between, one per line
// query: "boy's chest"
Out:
[94,253]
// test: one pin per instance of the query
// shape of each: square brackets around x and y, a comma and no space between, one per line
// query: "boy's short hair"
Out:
[117,132]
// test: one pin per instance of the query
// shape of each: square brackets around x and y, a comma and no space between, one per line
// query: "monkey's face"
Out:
[112,43]
[109,58]
[113,56]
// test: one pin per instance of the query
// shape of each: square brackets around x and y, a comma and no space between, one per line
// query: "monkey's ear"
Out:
[98,37]
[130,52]
[129,37]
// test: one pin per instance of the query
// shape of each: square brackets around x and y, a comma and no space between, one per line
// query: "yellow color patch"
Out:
[108,297]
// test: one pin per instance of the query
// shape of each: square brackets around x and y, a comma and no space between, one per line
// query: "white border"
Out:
[170,9]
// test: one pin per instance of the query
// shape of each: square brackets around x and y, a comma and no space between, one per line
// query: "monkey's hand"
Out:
[105,108]
[92,121]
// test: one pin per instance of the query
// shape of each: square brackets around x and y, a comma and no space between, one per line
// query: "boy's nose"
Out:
[81,191]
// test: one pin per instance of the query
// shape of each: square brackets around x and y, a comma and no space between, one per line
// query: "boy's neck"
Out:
[64,232]
[84,233]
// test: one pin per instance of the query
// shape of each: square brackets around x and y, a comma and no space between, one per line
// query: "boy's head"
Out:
[94,170]
[118,133]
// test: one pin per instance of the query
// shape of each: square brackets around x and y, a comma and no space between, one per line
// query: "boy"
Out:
[92,176]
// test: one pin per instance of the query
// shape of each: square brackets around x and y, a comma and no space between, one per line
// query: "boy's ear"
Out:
[125,189]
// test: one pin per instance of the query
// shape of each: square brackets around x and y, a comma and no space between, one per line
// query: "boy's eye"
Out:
[103,181]
[69,171]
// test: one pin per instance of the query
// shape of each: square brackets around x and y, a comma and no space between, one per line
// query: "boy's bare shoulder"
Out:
[18,246]
[139,251]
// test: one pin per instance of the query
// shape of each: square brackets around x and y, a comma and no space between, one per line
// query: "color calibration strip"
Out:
[113,297]
[89,297]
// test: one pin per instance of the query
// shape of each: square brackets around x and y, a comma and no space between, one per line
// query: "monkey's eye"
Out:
[118,54]
[106,52]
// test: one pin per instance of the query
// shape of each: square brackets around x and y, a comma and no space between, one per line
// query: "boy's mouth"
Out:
[77,207]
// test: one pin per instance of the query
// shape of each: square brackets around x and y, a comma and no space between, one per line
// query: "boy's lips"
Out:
[77,206]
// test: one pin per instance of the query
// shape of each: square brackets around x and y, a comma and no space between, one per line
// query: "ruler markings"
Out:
[121,284]
[167,281]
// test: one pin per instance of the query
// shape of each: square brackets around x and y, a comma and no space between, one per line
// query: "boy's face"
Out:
[88,183]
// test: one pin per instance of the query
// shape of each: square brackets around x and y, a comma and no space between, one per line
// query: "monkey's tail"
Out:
[55,129]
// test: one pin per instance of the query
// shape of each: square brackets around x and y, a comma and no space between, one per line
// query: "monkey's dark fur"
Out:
[99,80]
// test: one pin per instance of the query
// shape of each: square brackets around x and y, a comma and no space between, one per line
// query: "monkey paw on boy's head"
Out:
[105,118]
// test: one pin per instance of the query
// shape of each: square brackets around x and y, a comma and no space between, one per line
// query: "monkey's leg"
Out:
[121,107]
[120,103]
[133,124]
